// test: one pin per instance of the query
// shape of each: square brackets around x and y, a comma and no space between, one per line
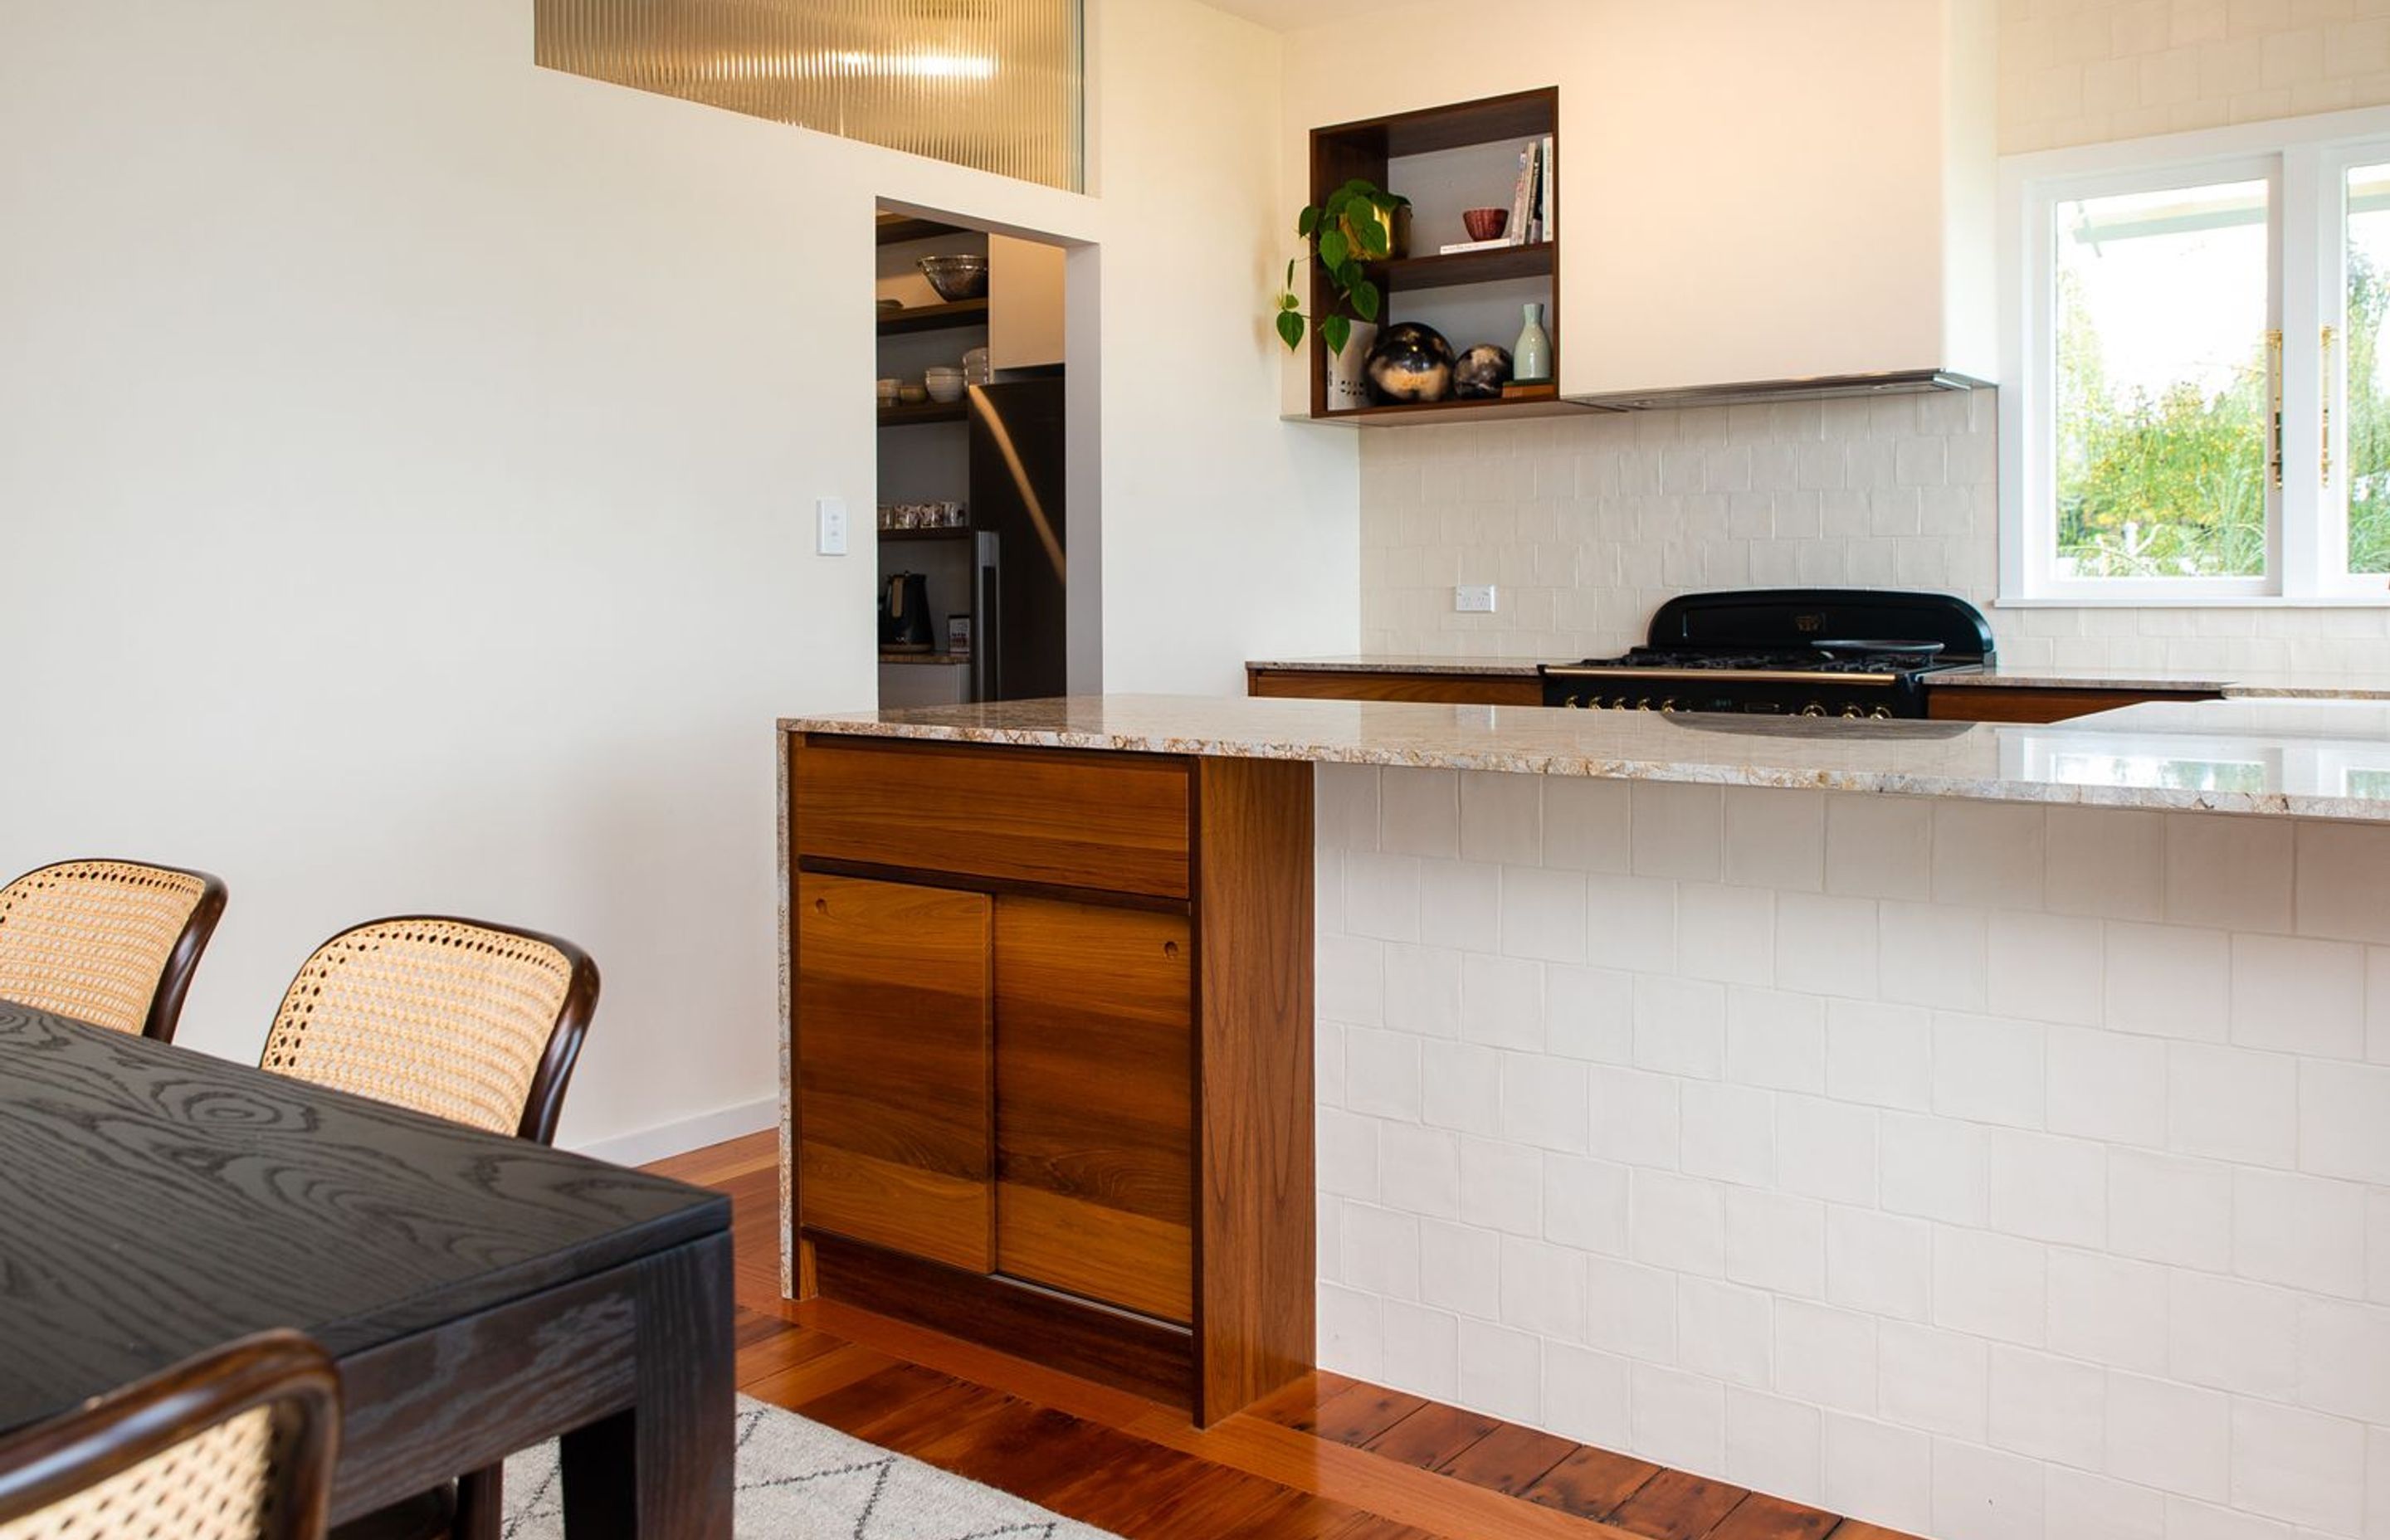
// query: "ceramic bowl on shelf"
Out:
[888,391]
[1485,223]
[944,385]
[957,277]
[912,395]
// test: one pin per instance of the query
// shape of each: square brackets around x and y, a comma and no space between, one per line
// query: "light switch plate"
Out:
[1472,598]
[829,526]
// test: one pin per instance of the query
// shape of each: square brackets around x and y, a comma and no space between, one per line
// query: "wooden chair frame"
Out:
[544,1100]
[56,1460]
[174,978]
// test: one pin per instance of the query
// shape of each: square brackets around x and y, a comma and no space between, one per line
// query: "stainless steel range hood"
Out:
[1811,388]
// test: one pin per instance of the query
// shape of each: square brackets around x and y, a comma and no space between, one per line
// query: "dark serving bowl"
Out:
[957,277]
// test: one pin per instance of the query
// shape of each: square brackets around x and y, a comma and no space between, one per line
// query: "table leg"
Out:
[661,1470]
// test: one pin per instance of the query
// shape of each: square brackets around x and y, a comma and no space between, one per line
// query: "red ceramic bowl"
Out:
[1485,223]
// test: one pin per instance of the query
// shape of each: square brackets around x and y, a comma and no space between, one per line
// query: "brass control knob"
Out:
[1670,705]
[1813,709]
[1882,713]
[1644,704]
[1852,713]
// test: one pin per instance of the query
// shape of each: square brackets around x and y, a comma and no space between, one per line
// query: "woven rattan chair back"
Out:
[237,1445]
[111,943]
[474,1022]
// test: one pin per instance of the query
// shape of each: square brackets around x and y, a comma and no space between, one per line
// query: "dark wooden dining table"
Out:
[480,1293]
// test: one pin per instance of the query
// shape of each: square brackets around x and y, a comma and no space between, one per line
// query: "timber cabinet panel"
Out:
[1438,688]
[893,1122]
[1050,1030]
[2026,703]
[1115,822]
[1095,1104]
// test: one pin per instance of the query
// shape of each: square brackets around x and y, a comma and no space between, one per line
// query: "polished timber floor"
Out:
[1329,1459]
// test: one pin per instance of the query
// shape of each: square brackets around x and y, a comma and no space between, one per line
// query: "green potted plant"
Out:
[1354,227]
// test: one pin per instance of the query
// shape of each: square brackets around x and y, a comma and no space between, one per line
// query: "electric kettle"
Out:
[905,615]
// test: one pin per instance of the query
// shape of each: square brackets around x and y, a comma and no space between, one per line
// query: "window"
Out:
[2198,401]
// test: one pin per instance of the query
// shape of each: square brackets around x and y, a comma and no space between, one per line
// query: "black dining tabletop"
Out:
[156,1201]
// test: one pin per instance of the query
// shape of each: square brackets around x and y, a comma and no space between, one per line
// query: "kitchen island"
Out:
[1970,1129]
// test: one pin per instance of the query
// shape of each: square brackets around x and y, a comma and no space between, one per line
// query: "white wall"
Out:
[407,457]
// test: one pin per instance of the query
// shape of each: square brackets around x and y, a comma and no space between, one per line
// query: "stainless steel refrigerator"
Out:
[1020,636]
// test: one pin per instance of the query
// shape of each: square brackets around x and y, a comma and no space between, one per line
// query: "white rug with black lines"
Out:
[800,1481]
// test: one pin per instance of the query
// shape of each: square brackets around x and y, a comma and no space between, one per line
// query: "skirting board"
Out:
[688,1134]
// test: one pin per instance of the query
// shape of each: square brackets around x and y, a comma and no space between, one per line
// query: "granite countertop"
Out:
[2230,682]
[2306,758]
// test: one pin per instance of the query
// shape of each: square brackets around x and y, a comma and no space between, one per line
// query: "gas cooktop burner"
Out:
[1777,651]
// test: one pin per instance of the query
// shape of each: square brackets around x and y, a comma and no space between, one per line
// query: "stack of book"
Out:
[1530,205]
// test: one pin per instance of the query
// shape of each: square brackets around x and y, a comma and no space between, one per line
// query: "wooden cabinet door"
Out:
[891,1049]
[1095,1103]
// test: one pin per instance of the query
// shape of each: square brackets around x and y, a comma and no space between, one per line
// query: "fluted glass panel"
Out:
[991,83]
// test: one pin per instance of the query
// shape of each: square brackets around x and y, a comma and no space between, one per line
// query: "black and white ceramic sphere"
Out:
[1481,372]
[1409,362]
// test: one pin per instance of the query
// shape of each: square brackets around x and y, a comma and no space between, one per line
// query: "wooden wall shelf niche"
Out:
[924,412]
[961,313]
[1372,149]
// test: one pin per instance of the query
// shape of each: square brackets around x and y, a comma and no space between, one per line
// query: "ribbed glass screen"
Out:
[990,83]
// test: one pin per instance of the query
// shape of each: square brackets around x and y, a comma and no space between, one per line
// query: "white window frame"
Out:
[2304,162]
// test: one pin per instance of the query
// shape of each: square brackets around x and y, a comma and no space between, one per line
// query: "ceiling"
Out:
[1289,16]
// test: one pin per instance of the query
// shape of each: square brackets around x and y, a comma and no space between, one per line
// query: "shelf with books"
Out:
[1451,161]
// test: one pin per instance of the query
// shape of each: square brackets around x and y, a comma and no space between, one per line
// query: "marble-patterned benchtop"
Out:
[2300,759]
[2230,682]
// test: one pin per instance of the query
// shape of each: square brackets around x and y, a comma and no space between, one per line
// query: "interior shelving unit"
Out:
[1374,148]
[944,317]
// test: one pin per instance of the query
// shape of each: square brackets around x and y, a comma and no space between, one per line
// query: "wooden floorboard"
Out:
[1327,1458]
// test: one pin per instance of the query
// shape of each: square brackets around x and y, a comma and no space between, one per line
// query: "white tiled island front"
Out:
[1980,1131]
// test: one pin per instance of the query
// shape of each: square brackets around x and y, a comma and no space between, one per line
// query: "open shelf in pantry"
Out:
[1467,145]
[944,317]
[922,412]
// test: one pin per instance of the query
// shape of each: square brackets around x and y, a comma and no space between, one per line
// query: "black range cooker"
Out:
[1839,652]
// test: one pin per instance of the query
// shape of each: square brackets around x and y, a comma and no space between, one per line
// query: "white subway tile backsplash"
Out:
[1936,1168]
[1987,1069]
[1826,1355]
[1420,1169]
[1351,981]
[1827,946]
[1884,1471]
[1984,1494]
[1776,1242]
[1501,818]
[1461,905]
[2344,1359]
[1584,1204]
[2301,1231]
[1501,1370]
[2047,1187]
[2075,1502]
[2342,886]
[2046,968]
[1678,831]
[2298,995]
[1990,854]
[1344,801]
[2233,1105]
[1678,1222]
[2106,1310]
[1775,1445]
[1776,840]
[1422,1349]
[1418,812]
[1937,1380]
[1728,934]
[2233,874]
[2106,1086]
[1588,1013]
[1460,1087]
[1991,1285]
[1632,923]
[2344,1120]
[1681,1026]
[1502,1001]
[1347,1154]
[1880,847]
[2299,1466]
[1879,1054]
[2051,1409]
[2230,1335]
[1636,1117]
[2105,863]
[1933,954]
[1501,1185]
[1825,1149]
[1381,1073]
[1729,1134]
[1631,1310]
[1543,1289]
[1422,991]
[2169,980]
[2377,1245]
[1351,1331]
[2163,1208]
[1880,1263]
[1380,1251]
[1460,1270]
[1725,1331]
[1678,1418]
[2177,1438]
[1587,824]
[1586,1395]
[1775,1039]
[1381,895]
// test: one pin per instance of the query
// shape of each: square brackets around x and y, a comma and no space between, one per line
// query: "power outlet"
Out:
[1472,598]
[829,526]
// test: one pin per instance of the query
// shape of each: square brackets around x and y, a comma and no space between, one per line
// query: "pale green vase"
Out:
[1531,361]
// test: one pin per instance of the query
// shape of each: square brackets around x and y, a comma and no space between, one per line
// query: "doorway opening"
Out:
[976,465]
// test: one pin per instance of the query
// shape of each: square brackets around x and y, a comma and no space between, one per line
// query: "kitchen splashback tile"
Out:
[2163,1208]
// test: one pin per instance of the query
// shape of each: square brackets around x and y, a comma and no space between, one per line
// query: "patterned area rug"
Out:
[800,1481]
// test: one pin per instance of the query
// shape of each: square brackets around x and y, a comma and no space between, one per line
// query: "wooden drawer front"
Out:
[892,1026]
[1116,822]
[1452,689]
[1094,1103]
[2024,703]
